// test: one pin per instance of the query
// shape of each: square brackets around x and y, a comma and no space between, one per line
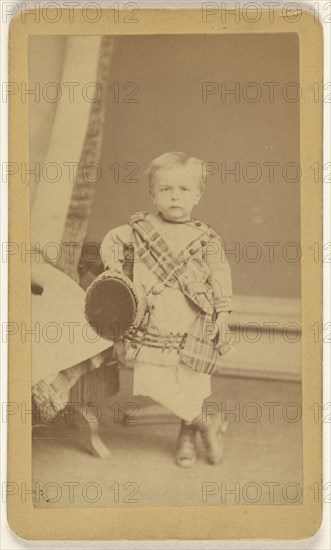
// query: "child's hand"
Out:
[115,269]
[223,337]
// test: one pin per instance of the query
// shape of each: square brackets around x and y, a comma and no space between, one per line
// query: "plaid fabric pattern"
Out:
[197,351]
[154,340]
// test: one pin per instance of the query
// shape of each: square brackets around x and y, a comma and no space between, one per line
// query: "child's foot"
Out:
[211,435]
[186,452]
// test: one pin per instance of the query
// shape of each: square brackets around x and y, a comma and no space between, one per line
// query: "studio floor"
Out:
[261,464]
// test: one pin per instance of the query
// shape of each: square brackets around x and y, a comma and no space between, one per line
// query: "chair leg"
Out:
[90,426]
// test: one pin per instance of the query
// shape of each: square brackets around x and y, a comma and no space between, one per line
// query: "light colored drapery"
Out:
[61,208]
[51,201]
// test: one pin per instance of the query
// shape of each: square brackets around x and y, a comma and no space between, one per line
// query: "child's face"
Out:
[175,193]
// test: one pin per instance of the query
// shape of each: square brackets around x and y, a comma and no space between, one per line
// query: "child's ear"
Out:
[151,192]
[198,197]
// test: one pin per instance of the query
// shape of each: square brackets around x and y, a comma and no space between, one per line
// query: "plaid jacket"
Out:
[187,270]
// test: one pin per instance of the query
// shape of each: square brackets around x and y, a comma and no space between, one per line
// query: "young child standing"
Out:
[183,282]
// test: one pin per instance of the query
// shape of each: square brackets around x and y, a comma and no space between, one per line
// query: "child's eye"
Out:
[185,189]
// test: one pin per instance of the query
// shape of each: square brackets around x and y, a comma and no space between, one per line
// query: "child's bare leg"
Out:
[186,451]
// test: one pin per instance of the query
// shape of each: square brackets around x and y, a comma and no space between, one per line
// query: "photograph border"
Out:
[169,522]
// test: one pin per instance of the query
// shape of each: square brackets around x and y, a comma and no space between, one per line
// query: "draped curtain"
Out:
[65,139]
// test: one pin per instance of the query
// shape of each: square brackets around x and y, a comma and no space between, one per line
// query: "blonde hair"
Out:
[170,160]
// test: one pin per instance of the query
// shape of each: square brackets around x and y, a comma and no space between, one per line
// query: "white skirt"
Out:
[179,388]
[161,376]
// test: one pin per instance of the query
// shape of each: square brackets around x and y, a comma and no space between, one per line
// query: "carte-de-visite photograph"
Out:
[166,278]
